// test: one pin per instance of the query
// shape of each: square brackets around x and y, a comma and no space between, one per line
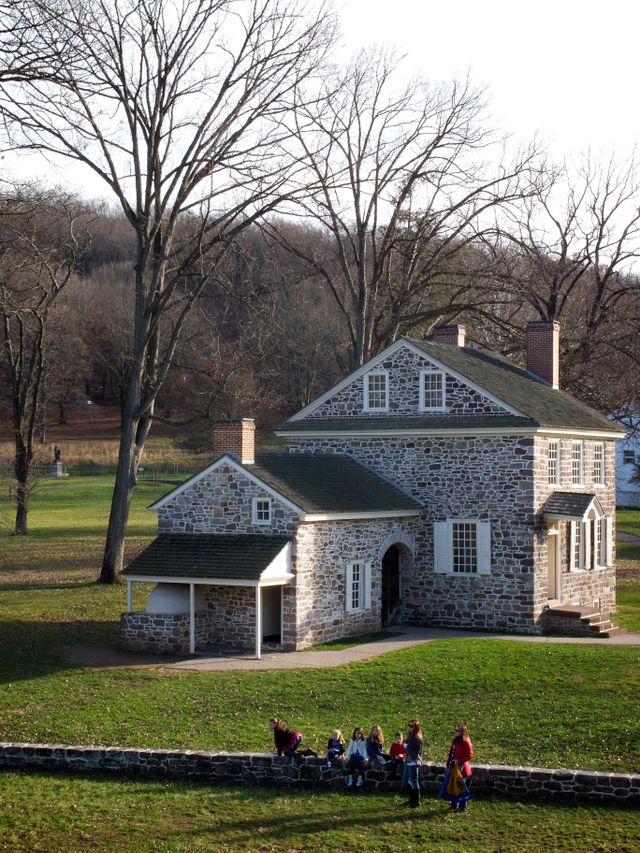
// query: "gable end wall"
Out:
[403,367]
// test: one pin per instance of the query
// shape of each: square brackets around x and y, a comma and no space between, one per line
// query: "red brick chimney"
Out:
[453,335]
[237,437]
[543,351]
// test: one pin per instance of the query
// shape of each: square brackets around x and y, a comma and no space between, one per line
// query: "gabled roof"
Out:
[314,486]
[571,506]
[520,389]
[330,484]
[207,555]
[529,402]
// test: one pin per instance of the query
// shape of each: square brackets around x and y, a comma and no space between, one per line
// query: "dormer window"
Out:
[432,390]
[376,392]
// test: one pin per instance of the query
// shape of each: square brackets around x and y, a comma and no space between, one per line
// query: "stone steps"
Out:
[570,620]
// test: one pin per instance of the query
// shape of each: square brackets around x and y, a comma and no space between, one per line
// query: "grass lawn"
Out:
[142,816]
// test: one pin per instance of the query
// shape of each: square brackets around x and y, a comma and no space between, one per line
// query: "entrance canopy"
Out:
[209,559]
[568,506]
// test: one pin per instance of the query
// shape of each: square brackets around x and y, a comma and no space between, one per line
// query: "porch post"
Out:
[129,595]
[192,618]
[258,622]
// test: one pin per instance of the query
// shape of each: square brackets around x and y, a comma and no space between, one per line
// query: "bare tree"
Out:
[569,255]
[177,108]
[39,248]
[400,197]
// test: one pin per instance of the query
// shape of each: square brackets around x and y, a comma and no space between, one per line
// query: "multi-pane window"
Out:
[599,556]
[261,511]
[356,585]
[576,463]
[598,464]
[376,392]
[465,547]
[553,463]
[577,545]
[433,389]
[628,457]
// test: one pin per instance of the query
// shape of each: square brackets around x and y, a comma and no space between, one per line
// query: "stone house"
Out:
[437,485]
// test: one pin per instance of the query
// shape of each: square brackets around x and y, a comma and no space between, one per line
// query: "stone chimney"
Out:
[543,351]
[453,335]
[237,437]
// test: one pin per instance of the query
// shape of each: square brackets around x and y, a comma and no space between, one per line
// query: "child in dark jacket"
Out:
[335,747]
[286,741]
[375,746]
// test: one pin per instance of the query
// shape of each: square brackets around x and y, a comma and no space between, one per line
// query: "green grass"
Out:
[628,521]
[45,814]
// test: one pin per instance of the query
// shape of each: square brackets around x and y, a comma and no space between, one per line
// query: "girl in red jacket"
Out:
[461,753]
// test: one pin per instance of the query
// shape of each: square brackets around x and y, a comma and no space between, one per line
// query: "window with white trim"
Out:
[462,546]
[262,511]
[576,463]
[599,557]
[577,545]
[598,464]
[628,457]
[553,462]
[376,392]
[432,389]
[358,586]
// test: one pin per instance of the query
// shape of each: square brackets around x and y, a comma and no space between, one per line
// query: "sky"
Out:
[568,70]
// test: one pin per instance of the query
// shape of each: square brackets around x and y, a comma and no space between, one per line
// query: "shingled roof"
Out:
[536,403]
[329,484]
[569,505]
[207,555]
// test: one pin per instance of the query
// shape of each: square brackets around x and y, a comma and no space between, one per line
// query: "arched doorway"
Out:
[391,599]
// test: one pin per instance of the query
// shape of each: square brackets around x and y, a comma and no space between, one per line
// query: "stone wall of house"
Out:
[221,502]
[583,587]
[323,550]
[484,478]
[265,769]
[232,616]
[161,633]
[404,366]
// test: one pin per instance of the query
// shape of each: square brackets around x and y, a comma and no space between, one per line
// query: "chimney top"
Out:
[453,335]
[237,437]
[543,350]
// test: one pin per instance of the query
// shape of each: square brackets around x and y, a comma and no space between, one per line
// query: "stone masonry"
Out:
[161,633]
[403,367]
[265,769]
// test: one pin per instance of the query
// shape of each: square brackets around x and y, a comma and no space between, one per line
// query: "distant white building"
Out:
[627,460]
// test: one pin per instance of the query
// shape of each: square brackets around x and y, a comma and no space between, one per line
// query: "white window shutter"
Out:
[367,586]
[348,589]
[483,539]
[608,543]
[442,558]
[572,546]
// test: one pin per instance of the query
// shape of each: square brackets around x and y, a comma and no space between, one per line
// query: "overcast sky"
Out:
[568,69]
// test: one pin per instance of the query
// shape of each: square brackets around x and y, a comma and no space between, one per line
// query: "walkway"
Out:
[105,657]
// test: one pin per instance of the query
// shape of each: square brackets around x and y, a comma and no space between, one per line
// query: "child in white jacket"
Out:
[356,756]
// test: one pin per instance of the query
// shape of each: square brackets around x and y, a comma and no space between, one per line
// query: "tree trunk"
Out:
[22,476]
[126,478]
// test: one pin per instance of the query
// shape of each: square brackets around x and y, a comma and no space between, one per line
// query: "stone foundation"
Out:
[161,633]
[265,769]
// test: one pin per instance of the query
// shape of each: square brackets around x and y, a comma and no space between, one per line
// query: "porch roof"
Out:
[569,506]
[207,556]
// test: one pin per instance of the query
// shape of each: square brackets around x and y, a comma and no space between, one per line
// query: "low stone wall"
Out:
[161,633]
[262,769]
